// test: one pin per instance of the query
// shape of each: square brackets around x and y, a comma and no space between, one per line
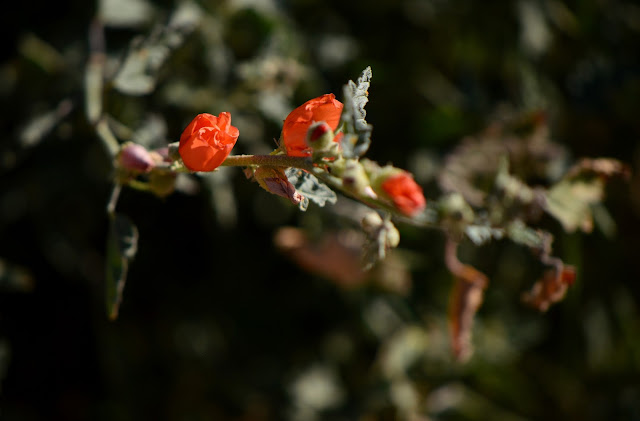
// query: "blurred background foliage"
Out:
[218,322]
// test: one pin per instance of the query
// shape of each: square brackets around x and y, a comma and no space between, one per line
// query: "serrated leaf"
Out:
[122,243]
[357,132]
[139,72]
[311,188]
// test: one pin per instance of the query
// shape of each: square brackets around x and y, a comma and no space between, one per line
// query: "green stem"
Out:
[113,200]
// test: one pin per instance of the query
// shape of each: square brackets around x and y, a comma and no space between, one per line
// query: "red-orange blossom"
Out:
[294,130]
[207,141]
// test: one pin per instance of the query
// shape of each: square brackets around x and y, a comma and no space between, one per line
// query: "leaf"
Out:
[310,187]
[125,13]
[139,71]
[572,199]
[522,234]
[569,201]
[482,234]
[552,287]
[122,243]
[357,132]
[466,299]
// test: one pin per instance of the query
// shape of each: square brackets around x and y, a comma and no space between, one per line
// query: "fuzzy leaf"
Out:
[311,188]
[122,243]
[357,132]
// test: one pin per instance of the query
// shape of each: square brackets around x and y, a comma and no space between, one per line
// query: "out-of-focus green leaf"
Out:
[357,132]
[139,72]
[44,123]
[572,199]
[310,187]
[522,234]
[41,53]
[481,234]
[125,13]
[122,243]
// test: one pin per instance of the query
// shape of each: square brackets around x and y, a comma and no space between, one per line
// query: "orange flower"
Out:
[207,141]
[405,193]
[294,131]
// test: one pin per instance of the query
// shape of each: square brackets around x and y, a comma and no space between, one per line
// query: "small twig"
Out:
[113,200]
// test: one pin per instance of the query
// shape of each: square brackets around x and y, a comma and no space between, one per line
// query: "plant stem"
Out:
[113,200]
[268,161]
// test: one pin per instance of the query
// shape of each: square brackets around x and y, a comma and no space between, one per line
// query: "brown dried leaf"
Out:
[552,287]
[466,299]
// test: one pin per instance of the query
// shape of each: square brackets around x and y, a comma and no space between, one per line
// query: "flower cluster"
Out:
[310,130]
[313,131]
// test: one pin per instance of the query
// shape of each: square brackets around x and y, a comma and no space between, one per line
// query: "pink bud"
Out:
[134,157]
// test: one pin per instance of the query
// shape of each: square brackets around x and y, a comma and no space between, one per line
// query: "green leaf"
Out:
[139,72]
[357,132]
[311,188]
[122,243]
[520,233]
[573,199]
[482,234]
[570,202]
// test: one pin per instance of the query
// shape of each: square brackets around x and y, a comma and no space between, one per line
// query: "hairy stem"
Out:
[268,161]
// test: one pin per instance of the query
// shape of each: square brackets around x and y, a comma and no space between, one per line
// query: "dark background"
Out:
[216,322]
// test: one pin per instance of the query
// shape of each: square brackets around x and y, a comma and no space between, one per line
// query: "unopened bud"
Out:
[275,181]
[371,222]
[322,141]
[317,131]
[355,179]
[135,158]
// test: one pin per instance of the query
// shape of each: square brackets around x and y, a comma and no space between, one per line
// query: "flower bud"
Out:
[275,181]
[356,180]
[405,193]
[397,186]
[135,158]
[324,145]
